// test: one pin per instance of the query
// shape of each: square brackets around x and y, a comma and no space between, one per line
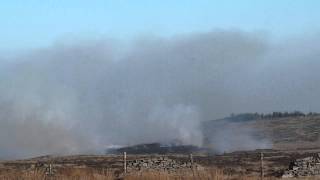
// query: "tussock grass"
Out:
[91,174]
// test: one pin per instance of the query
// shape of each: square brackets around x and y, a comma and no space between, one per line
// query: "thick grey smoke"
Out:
[84,96]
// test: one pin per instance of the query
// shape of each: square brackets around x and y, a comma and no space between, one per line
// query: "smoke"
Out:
[83,96]
[233,136]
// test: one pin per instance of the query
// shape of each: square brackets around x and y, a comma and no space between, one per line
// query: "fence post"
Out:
[125,162]
[261,165]
[192,169]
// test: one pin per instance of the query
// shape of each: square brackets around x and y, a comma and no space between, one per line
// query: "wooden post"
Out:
[125,162]
[49,172]
[191,159]
[261,165]
[50,169]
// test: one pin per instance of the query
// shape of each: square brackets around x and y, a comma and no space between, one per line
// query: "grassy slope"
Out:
[284,132]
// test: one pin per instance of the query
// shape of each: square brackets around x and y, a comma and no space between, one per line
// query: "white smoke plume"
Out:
[84,96]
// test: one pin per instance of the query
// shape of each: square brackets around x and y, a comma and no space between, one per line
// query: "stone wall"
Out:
[159,163]
[309,166]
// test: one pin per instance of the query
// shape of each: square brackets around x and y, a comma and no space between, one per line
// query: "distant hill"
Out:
[248,131]
[281,130]
[256,116]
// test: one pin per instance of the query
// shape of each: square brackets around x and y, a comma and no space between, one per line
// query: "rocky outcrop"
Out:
[309,166]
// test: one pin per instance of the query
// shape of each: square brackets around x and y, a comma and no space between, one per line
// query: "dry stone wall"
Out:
[309,166]
[159,163]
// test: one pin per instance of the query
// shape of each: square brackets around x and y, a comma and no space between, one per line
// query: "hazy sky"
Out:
[38,23]
[85,75]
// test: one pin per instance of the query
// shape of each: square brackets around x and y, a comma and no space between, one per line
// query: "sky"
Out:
[40,23]
[79,76]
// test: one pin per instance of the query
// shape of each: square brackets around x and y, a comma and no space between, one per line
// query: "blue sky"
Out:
[38,23]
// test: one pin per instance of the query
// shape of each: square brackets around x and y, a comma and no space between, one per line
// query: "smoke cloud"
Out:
[83,96]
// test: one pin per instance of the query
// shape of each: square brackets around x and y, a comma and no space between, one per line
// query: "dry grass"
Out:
[65,174]
[90,174]
[207,174]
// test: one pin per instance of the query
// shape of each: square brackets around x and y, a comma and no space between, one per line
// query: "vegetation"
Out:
[76,174]
[255,116]
[83,174]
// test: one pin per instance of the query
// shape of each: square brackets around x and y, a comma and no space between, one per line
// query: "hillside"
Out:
[251,131]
